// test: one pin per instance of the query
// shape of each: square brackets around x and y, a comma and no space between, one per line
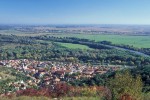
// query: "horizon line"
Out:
[72,24]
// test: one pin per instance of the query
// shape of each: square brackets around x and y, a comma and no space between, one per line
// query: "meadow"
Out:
[73,46]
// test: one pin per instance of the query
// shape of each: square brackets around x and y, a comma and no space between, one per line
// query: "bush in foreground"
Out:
[124,85]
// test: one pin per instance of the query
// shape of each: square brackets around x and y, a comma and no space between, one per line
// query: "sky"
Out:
[74,11]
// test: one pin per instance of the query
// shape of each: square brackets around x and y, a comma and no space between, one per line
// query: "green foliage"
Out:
[124,83]
[147,96]
[6,73]
[42,48]
[96,80]
[12,76]
[145,75]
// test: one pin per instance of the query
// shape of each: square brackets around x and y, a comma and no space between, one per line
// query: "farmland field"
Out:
[136,41]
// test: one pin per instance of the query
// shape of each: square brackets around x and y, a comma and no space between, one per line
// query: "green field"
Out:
[73,46]
[69,45]
[136,41]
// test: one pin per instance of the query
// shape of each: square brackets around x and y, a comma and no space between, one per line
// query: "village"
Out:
[49,73]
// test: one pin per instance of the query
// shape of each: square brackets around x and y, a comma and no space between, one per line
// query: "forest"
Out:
[47,48]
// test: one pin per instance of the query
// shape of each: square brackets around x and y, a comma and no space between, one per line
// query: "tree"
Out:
[124,84]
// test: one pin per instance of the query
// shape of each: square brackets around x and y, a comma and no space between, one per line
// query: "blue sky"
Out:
[74,11]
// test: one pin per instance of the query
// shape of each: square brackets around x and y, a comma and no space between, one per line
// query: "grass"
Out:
[136,41]
[68,45]
[73,46]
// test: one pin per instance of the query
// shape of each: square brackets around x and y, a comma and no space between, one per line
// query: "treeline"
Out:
[17,39]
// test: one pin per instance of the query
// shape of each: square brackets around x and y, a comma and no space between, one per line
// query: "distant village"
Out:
[49,73]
